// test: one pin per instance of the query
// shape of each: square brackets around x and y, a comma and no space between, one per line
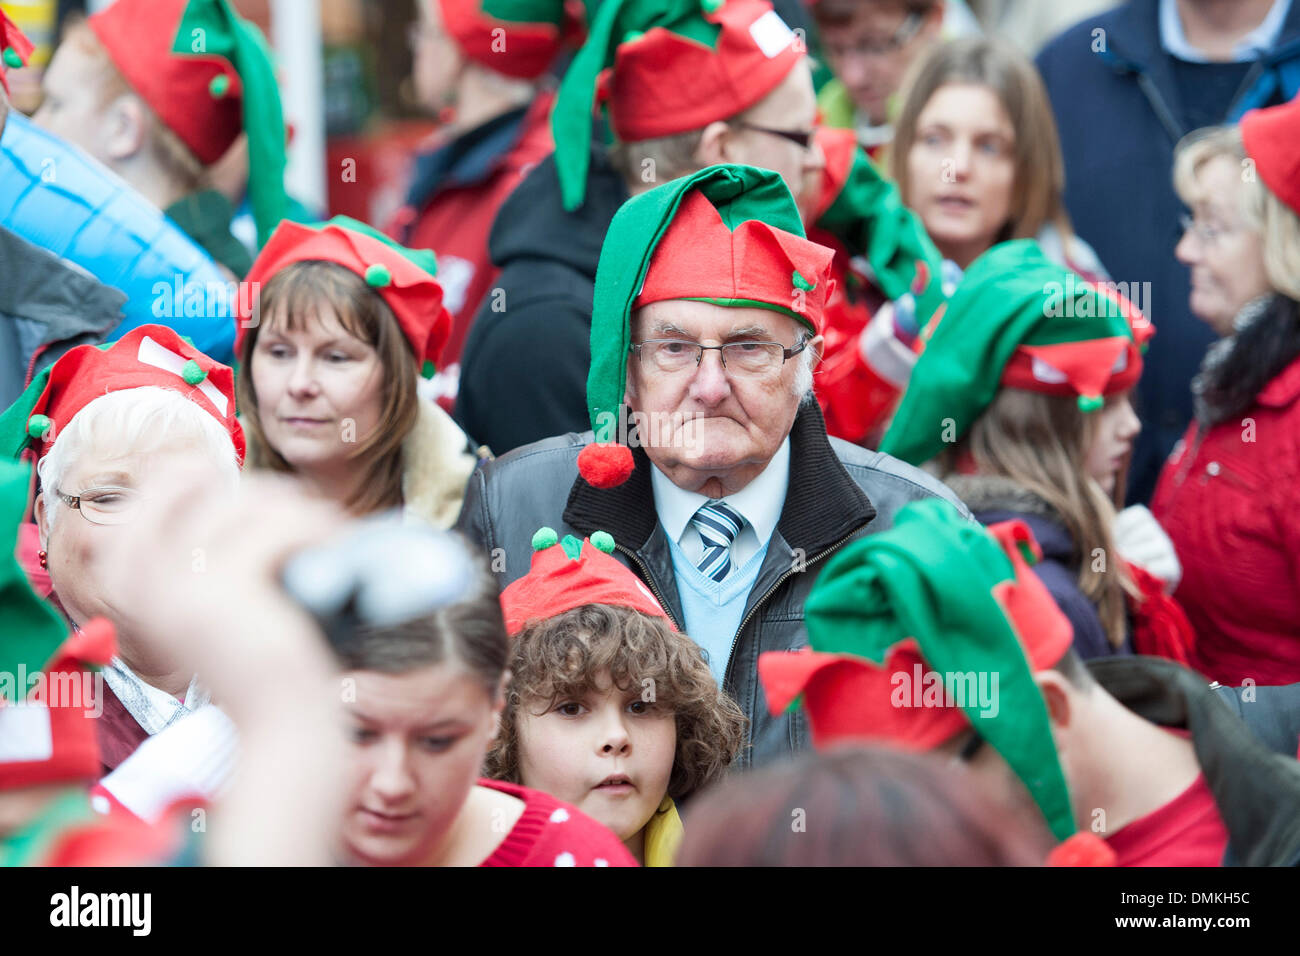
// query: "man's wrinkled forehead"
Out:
[686,319]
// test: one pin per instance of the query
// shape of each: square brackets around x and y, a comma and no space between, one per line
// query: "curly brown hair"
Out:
[564,657]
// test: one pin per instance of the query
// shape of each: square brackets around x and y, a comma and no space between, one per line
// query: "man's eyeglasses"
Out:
[748,358]
[909,28]
[800,138]
[104,506]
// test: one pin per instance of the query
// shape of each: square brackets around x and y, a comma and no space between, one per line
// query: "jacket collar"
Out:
[1249,782]
[823,504]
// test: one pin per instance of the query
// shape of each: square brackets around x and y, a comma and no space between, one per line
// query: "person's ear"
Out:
[42,521]
[816,345]
[716,145]
[1060,699]
[124,127]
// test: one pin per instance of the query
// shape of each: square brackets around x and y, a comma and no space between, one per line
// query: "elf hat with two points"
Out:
[673,66]
[1016,320]
[520,38]
[935,593]
[207,73]
[403,278]
[727,235]
[15,48]
[569,573]
[148,355]
[47,727]
[1270,137]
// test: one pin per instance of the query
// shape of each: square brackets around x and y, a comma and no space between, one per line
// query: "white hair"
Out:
[136,421]
[803,376]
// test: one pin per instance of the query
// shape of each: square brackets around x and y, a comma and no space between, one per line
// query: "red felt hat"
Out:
[50,736]
[1270,137]
[700,258]
[522,45]
[664,83]
[147,355]
[199,97]
[403,278]
[570,573]
[15,48]
[850,698]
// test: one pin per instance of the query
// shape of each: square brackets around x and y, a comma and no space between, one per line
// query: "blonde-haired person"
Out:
[1227,494]
[330,359]
[1020,401]
[976,154]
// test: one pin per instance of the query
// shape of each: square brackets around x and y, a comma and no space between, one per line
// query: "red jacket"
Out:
[458,188]
[1228,499]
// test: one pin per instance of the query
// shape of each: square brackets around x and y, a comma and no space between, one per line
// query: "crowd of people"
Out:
[821,434]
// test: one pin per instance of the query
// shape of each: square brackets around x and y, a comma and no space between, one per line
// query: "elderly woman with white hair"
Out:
[103,422]
[1228,494]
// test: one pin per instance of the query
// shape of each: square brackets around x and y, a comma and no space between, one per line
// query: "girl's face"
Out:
[1226,256]
[1117,428]
[418,742]
[962,169]
[610,754]
[319,391]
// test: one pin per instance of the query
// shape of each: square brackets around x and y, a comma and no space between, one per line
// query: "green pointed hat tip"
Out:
[12,59]
[602,541]
[192,374]
[1090,403]
[544,538]
[39,425]
[633,35]
[378,276]
[801,283]
[711,6]
[1027,553]
[219,86]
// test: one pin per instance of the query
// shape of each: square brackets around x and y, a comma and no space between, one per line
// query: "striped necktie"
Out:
[718,525]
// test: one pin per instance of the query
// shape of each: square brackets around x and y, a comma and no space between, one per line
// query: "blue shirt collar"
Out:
[1257,41]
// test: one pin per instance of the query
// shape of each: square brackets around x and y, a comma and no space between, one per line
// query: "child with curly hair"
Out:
[609,708]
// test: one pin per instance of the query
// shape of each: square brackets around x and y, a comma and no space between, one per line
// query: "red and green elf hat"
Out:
[674,66]
[147,355]
[207,73]
[403,278]
[519,38]
[935,593]
[729,235]
[568,573]
[1270,137]
[1016,320]
[47,733]
[865,212]
[15,48]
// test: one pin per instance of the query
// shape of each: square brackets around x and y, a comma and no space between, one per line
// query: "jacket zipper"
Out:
[772,590]
[654,588]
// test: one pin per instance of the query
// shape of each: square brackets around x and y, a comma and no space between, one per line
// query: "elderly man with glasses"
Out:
[708,461]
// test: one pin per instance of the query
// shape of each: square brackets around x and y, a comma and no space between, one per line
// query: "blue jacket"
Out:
[1116,103]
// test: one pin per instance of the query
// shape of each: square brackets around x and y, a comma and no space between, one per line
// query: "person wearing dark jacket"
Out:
[1126,86]
[731,495]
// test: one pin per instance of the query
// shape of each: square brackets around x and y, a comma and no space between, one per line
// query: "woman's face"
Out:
[1117,429]
[961,169]
[319,392]
[1226,256]
[418,743]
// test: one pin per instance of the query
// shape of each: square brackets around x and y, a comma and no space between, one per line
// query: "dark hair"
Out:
[858,807]
[562,658]
[1258,354]
[299,290]
[472,632]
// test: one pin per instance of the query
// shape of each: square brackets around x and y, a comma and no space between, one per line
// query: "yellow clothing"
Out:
[663,835]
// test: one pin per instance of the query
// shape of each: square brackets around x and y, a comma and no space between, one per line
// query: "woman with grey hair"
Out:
[103,423]
[1227,495]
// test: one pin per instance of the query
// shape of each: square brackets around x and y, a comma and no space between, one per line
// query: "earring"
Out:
[44,558]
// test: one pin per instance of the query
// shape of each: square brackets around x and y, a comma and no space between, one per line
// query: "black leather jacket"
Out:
[837,492]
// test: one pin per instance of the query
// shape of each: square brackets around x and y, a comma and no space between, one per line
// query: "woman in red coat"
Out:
[1228,495]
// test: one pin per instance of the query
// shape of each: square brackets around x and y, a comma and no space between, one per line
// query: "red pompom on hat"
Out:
[519,38]
[403,278]
[567,574]
[15,48]
[701,259]
[1270,137]
[149,355]
[1082,849]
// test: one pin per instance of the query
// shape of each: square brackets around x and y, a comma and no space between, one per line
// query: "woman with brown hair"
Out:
[330,356]
[977,157]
